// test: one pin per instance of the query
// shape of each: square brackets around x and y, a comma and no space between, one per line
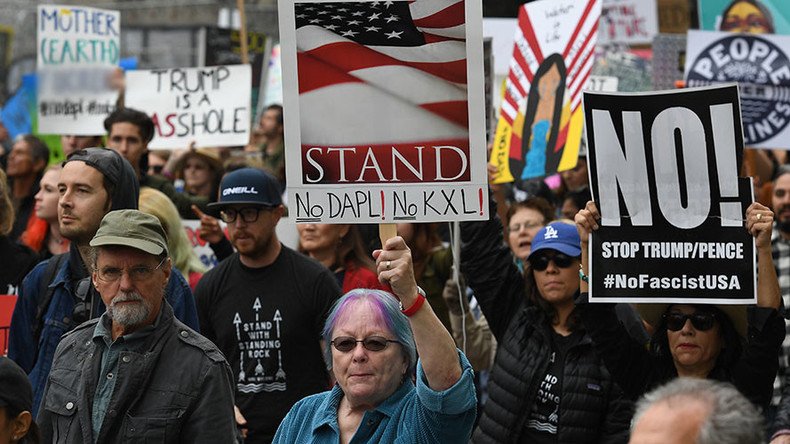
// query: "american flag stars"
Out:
[368,23]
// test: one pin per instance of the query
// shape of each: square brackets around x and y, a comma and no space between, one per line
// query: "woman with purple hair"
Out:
[372,343]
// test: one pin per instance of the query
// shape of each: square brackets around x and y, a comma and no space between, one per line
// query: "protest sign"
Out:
[201,248]
[674,16]
[539,129]
[385,110]
[628,22]
[757,16]
[669,60]
[210,105]
[78,48]
[664,173]
[759,63]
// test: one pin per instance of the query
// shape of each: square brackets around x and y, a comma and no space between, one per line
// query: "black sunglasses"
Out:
[700,321]
[372,343]
[248,214]
[541,262]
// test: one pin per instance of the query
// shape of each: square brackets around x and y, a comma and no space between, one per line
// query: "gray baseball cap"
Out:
[131,228]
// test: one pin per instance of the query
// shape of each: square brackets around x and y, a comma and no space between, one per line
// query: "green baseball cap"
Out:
[131,228]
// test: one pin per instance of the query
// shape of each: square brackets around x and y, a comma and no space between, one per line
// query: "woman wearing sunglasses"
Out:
[371,345]
[547,383]
[694,340]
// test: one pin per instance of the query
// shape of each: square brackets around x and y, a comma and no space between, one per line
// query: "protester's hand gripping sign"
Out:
[384,110]
[209,106]
[664,173]
[78,48]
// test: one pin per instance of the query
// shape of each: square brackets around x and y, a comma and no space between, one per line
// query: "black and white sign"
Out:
[664,173]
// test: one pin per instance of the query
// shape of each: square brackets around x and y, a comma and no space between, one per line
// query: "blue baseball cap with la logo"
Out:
[250,186]
[557,236]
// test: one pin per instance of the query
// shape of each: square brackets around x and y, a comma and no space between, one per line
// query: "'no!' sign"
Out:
[664,173]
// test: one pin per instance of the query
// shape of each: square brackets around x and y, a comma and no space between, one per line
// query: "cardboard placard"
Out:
[629,22]
[664,173]
[539,129]
[385,110]
[78,49]
[210,105]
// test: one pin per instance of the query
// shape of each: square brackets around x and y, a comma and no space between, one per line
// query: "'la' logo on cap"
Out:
[551,233]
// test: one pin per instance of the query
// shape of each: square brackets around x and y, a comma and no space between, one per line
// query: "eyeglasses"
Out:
[513,228]
[157,169]
[248,214]
[372,343]
[700,321]
[136,274]
[541,262]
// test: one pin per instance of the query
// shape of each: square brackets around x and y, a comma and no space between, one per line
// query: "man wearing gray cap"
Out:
[57,295]
[136,374]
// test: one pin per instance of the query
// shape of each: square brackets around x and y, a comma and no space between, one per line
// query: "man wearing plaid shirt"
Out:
[780,201]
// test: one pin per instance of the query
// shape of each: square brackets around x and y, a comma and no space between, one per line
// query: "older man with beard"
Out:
[136,373]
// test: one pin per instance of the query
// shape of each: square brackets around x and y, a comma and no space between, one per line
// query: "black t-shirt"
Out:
[268,321]
[544,414]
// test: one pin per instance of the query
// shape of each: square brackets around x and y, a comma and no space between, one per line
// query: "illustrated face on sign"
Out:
[747,16]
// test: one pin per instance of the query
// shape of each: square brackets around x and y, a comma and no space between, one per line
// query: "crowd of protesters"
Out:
[123,333]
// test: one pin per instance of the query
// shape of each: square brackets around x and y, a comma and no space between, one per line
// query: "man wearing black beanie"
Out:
[58,294]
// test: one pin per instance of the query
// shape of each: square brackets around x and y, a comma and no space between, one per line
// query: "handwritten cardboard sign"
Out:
[664,173]
[78,48]
[385,110]
[630,22]
[210,105]
[540,124]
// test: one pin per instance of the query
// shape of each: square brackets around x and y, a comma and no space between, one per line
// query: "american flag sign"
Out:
[383,95]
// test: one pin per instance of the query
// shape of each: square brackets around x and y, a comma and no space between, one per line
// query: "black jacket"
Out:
[592,408]
[637,370]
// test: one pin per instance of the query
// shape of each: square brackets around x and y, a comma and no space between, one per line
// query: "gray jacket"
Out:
[177,390]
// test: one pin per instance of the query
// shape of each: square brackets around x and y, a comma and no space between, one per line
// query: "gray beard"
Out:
[129,315]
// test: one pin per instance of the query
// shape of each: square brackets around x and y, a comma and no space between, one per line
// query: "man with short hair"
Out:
[696,411]
[136,373]
[780,244]
[26,163]
[129,132]
[273,147]
[57,295]
[264,306]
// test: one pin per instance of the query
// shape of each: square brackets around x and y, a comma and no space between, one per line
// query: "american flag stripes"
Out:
[382,74]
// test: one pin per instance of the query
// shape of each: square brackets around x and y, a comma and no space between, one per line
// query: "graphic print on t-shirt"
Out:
[544,415]
[260,353]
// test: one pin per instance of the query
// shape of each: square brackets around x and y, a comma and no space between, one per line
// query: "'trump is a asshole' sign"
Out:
[209,106]
[384,110]
[664,174]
